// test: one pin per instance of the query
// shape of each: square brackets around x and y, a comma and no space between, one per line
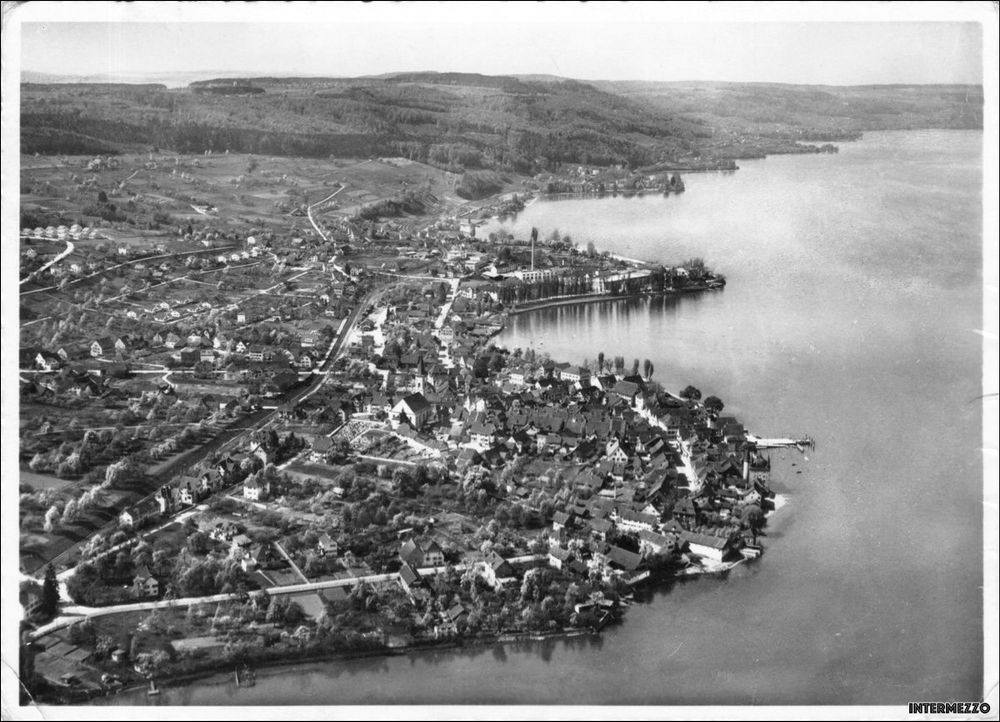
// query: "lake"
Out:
[854,289]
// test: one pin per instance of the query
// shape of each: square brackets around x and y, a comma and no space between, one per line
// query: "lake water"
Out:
[855,286]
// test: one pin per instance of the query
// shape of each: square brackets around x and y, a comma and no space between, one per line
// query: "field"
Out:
[42,481]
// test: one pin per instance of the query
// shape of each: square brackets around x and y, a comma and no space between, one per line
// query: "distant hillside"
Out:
[771,110]
[467,121]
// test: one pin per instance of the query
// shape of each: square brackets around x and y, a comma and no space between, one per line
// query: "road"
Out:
[291,563]
[73,613]
[130,263]
[309,214]
[68,250]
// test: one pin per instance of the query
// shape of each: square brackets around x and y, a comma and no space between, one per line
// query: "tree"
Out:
[753,517]
[600,362]
[714,405]
[69,511]
[50,592]
[102,197]
[197,543]
[647,368]
[690,392]
[51,518]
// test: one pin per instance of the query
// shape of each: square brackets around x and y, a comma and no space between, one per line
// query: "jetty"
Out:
[801,443]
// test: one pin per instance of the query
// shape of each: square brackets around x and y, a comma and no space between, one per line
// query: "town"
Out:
[252,433]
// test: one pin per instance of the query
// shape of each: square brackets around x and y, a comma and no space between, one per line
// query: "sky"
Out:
[763,42]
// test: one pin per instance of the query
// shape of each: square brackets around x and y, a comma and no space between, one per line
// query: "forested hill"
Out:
[773,108]
[468,121]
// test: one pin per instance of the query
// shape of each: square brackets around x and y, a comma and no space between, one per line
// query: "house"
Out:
[261,452]
[433,555]
[449,620]
[258,556]
[619,559]
[187,356]
[47,361]
[573,374]
[614,451]
[559,557]
[707,545]
[138,515]
[651,542]
[240,546]
[429,556]
[224,530]
[633,521]
[410,578]
[601,529]
[254,490]
[31,598]
[144,584]
[497,571]
[255,353]
[558,368]
[326,545]
[101,346]
[686,512]
[321,446]
[171,340]
[414,410]
[482,434]
[561,520]
[187,490]
[207,355]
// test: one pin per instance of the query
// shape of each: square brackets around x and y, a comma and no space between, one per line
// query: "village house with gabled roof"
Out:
[140,514]
[706,545]
[497,571]
[144,584]
[428,555]
[255,490]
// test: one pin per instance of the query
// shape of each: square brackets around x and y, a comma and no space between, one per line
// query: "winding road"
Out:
[309,214]
[62,254]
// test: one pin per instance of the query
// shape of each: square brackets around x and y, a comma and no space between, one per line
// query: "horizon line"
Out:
[71,79]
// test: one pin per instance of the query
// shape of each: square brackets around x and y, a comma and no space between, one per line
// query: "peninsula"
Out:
[244,444]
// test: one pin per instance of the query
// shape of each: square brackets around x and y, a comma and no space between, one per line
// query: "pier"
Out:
[801,444]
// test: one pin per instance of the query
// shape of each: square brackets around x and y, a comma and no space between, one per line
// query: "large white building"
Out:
[534,276]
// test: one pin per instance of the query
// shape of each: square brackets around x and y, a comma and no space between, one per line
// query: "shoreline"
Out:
[595,298]
[569,195]
[220,673]
[217,672]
